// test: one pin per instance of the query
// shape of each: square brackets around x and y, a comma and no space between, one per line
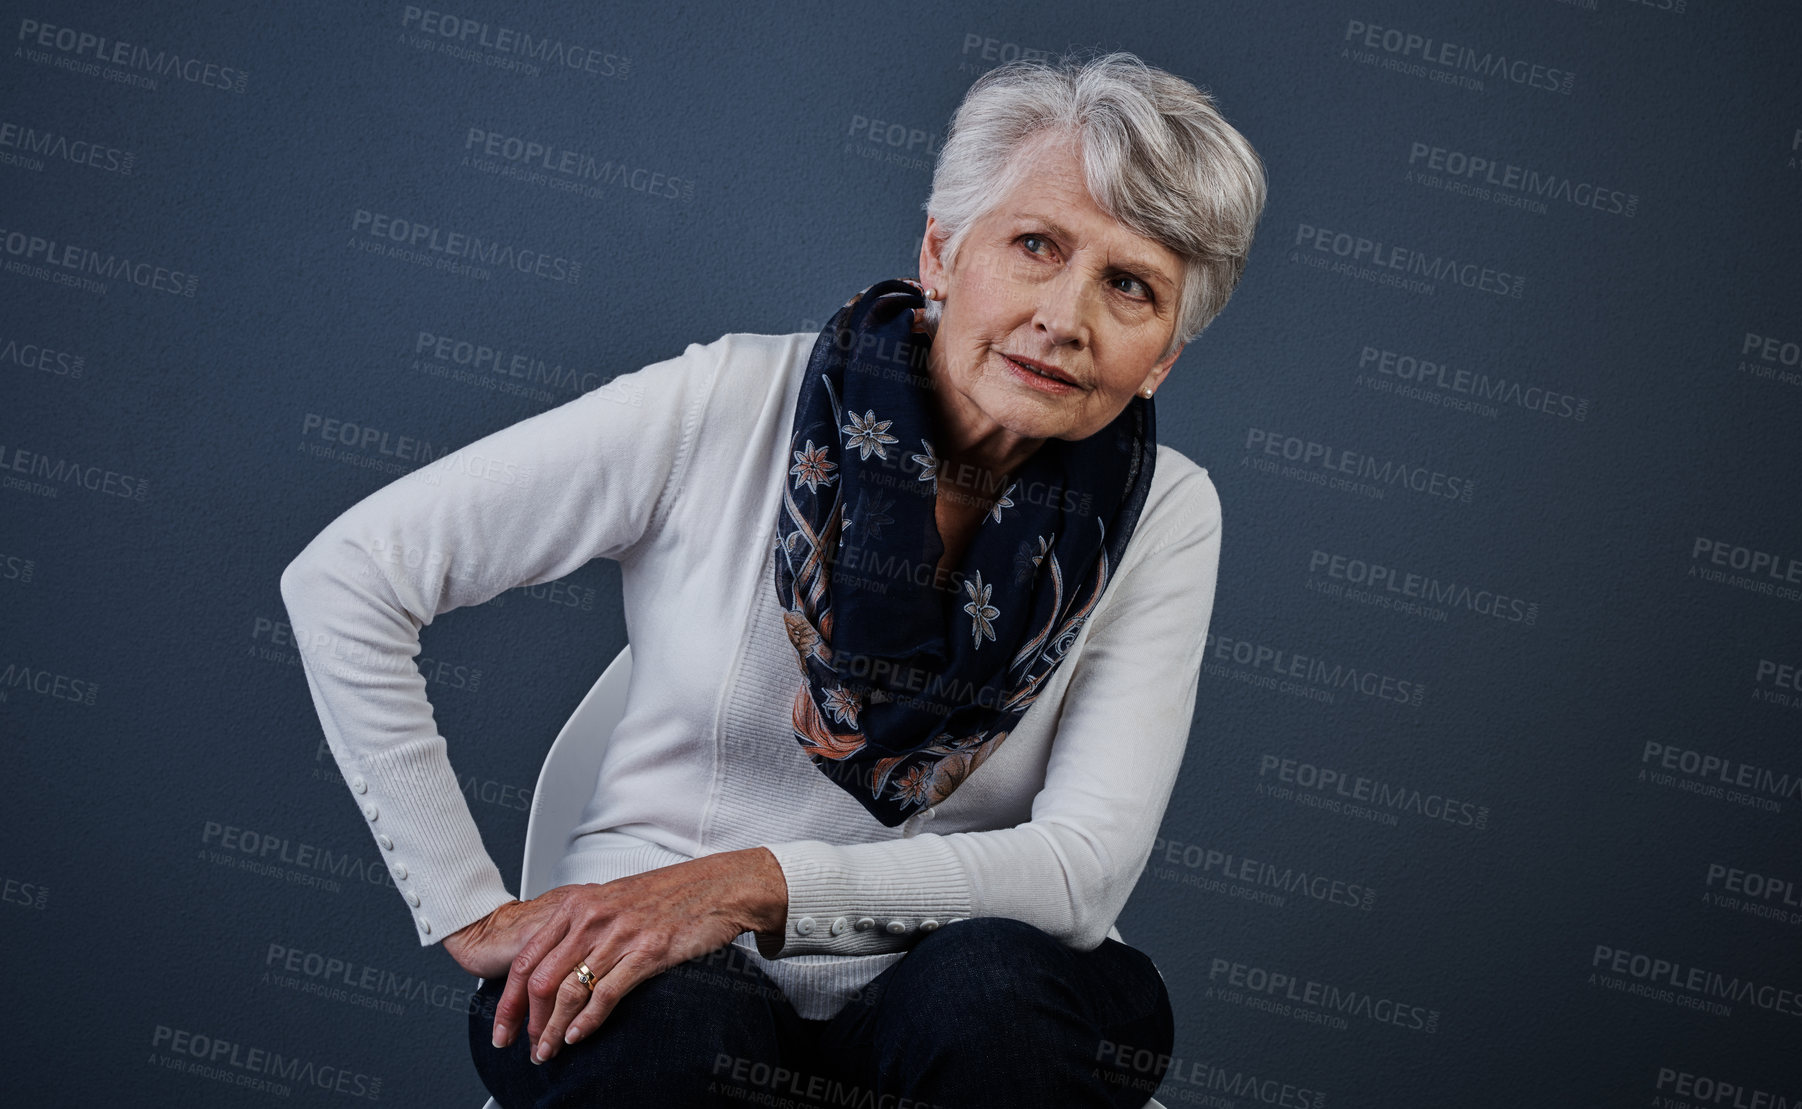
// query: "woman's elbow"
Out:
[1085,929]
[1095,890]
[1093,908]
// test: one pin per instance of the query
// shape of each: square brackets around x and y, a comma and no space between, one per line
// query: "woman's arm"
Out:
[527,504]
[1119,744]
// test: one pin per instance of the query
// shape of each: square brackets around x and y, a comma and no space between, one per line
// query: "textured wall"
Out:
[1493,791]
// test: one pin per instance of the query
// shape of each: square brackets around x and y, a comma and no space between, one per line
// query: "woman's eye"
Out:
[1142,290]
[1027,241]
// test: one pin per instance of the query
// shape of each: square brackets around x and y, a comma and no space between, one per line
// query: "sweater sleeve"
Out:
[526,504]
[1119,742]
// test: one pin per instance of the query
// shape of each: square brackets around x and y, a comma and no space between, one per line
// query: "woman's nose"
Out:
[1063,308]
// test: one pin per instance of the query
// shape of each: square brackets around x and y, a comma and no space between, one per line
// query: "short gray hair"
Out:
[1157,156]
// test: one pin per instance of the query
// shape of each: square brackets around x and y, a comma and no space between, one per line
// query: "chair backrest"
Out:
[571,767]
[567,779]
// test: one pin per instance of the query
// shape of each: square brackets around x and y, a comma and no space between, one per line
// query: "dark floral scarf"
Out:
[910,687]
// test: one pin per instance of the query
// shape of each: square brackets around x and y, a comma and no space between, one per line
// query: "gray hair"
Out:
[1157,156]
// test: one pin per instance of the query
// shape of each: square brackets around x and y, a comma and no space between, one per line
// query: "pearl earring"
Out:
[931,293]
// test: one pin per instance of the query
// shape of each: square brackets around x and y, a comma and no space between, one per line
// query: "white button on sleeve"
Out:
[840,926]
[387,844]
[412,899]
[425,926]
[928,925]
[804,926]
[897,926]
[865,923]
[400,871]
[357,783]
[370,811]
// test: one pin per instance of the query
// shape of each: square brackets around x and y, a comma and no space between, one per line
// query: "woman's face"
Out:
[1049,278]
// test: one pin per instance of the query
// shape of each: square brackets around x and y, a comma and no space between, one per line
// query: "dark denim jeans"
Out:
[986,1013]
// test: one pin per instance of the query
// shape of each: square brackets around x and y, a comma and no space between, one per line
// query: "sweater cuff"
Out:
[865,898]
[435,854]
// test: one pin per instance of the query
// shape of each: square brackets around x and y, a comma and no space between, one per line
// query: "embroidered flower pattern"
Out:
[812,468]
[911,787]
[843,705]
[929,465]
[868,434]
[1044,548]
[1001,502]
[872,514]
[981,612]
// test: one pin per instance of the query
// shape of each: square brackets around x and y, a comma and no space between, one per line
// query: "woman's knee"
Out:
[981,973]
[990,943]
[507,1072]
[998,1012]
[1004,972]
[671,1028]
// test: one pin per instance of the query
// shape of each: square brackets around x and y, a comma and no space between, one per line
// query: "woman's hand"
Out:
[486,947]
[626,931]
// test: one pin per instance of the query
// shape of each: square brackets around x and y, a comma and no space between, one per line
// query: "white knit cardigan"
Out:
[676,471]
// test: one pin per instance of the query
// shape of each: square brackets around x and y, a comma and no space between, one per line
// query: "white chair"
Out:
[571,768]
[567,781]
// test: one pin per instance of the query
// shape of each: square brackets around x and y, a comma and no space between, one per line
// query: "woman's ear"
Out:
[1161,370]
[932,261]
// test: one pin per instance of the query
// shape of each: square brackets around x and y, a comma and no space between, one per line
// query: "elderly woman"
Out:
[917,609]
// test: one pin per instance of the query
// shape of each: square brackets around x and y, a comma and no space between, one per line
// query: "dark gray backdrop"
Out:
[1493,788]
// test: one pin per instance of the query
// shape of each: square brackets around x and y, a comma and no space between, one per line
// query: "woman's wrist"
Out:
[763,892]
[476,926]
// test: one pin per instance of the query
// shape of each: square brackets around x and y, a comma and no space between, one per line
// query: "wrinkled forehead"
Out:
[1045,187]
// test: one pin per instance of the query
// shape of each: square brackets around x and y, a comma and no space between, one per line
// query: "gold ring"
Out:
[586,977]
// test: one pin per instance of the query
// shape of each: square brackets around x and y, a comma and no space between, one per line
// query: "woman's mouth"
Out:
[1040,376]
